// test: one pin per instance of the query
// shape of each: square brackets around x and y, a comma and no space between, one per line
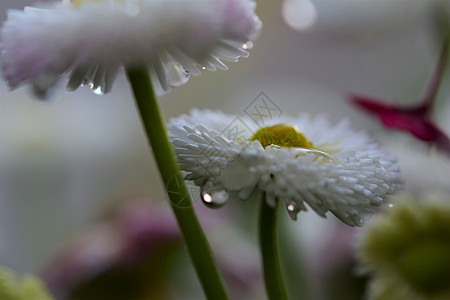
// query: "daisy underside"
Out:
[91,40]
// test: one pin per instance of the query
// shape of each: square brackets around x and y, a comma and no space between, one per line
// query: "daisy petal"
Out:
[92,39]
[349,182]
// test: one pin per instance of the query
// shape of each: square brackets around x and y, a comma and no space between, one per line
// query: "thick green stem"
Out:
[181,204]
[269,251]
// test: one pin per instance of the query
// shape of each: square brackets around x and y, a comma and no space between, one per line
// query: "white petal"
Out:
[158,34]
[349,183]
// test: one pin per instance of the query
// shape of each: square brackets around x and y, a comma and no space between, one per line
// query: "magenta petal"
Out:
[421,129]
[415,120]
[370,105]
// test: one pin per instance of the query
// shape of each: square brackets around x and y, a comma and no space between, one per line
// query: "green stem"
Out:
[436,78]
[269,251]
[181,204]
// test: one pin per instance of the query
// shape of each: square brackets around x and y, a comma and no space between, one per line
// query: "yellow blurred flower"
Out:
[13,287]
[407,250]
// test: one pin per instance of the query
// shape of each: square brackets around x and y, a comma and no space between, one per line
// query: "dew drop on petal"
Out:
[247,45]
[212,196]
[43,94]
[177,75]
[293,209]
[299,14]
[321,156]
[98,91]
[359,222]
[45,88]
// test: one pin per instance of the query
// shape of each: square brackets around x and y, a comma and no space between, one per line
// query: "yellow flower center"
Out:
[281,135]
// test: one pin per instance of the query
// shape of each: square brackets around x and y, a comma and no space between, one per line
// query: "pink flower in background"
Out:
[415,120]
[132,254]
[133,233]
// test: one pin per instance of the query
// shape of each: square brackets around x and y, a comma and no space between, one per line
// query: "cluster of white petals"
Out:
[174,39]
[345,173]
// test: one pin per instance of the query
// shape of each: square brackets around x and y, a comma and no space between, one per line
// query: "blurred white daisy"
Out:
[299,14]
[296,160]
[94,38]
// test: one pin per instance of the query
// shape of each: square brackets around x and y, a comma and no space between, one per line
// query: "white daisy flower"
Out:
[93,38]
[296,160]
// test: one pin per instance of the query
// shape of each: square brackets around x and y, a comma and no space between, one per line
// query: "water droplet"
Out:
[359,222]
[177,75]
[293,209]
[247,45]
[213,197]
[299,14]
[45,88]
[323,156]
[98,91]
[42,94]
